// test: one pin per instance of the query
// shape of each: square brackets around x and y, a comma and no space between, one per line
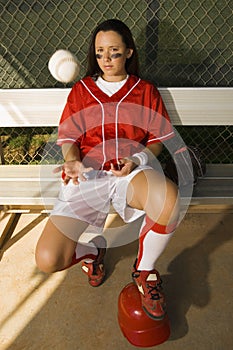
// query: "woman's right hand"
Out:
[73,170]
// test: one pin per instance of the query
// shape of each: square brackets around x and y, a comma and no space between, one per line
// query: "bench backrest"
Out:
[186,106]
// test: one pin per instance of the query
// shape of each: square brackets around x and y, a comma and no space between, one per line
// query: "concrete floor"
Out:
[62,312]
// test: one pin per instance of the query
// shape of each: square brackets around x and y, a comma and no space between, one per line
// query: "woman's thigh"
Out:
[152,192]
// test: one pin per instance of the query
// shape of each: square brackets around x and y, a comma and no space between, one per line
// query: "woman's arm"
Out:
[154,150]
[71,152]
[72,167]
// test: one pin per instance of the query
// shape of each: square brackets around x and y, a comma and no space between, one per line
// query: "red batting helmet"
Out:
[139,329]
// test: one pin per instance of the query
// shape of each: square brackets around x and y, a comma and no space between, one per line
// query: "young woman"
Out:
[112,127]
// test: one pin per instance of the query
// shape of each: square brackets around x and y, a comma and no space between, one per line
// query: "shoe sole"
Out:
[94,284]
[156,318]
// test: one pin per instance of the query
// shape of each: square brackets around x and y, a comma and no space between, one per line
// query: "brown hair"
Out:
[132,65]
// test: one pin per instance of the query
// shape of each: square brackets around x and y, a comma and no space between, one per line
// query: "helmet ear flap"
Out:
[139,329]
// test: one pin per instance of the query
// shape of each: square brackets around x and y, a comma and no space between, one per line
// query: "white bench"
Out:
[26,188]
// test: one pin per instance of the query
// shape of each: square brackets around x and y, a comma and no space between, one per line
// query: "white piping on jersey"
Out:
[160,138]
[103,118]
[116,120]
[67,139]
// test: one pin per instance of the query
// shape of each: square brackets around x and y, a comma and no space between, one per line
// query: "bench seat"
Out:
[37,185]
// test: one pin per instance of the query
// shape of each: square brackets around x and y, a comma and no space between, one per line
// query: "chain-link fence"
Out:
[35,145]
[180,43]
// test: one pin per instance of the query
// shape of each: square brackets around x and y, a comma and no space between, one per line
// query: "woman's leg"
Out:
[158,197]
[55,251]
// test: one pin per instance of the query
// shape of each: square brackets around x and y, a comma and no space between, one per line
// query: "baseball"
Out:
[64,66]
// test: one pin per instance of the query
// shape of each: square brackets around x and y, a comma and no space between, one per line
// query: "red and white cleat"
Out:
[152,297]
[95,270]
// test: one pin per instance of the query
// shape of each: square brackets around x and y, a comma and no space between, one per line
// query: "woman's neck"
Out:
[114,78]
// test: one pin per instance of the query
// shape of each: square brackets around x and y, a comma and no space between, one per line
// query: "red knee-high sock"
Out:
[84,252]
[153,239]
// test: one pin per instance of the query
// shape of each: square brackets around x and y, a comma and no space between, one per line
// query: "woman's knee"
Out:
[54,250]
[48,261]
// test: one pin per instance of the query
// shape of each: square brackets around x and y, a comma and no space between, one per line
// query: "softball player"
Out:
[113,126]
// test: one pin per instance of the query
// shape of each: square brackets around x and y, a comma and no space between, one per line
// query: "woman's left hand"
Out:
[126,167]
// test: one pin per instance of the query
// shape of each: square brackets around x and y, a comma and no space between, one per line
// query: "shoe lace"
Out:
[154,290]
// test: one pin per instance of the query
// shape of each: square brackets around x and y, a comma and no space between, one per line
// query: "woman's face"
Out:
[111,54]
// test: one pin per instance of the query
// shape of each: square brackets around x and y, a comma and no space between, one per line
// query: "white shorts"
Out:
[90,200]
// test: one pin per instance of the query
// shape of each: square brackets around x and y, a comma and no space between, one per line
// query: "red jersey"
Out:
[106,129]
